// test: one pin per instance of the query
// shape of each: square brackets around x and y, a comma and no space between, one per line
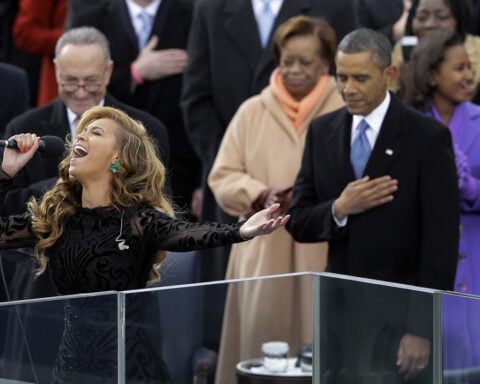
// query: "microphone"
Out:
[49,146]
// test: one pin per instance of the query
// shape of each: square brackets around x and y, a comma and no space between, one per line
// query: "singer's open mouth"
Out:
[79,151]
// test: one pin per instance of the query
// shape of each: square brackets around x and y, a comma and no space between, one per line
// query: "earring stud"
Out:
[114,167]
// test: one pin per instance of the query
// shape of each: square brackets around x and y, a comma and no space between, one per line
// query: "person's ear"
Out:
[391,74]
[108,72]
[57,72]
[432,75]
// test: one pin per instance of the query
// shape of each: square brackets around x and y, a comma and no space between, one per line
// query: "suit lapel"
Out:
[175,25]
[58,125]
[388,145]
[337,147]
[161,18]
[126,22]
[242,28]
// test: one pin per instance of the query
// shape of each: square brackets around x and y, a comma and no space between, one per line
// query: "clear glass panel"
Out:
[355,325]
[167,327]
[70,339]
[461,338]
[364,324]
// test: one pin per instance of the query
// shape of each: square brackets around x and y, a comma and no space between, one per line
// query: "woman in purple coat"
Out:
[438,80]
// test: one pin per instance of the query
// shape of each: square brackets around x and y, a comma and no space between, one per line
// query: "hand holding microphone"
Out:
[19,150]
[49,146]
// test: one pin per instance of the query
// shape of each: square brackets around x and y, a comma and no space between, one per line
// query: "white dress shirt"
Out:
[275,6]
[71,116]
[374,120]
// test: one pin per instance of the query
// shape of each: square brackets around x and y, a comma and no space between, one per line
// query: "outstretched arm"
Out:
[180,235]
[263,222]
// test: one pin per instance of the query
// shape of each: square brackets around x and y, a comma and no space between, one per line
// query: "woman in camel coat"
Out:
[256,166]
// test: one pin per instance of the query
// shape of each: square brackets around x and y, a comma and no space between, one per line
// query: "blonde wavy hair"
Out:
[139,180]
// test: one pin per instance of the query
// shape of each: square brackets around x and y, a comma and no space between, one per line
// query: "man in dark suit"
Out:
[150,77]
[83,69]
[16,97]
[398,218]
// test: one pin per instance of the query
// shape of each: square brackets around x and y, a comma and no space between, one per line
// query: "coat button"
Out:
[462,287]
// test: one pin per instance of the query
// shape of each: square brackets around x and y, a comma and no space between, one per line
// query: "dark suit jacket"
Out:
[375,15]
[41,173]
[161,98]
[411,240]
[15,95]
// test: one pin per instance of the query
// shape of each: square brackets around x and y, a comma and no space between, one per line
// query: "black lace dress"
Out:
[87,258]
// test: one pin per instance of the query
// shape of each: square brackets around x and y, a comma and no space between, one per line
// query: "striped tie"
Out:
[360,151]
[146,28]
[265,22]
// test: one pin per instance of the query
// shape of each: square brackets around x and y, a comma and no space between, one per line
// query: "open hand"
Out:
[14,159]
[263,223]
[153,64]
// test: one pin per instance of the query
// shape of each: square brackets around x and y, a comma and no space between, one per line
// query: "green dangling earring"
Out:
[114,166]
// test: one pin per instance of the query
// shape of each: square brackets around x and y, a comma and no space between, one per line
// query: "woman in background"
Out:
[255,167]
[429,15]
[439,81]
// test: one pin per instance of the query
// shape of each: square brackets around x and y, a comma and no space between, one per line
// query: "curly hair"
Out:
[415,81]
[140,180]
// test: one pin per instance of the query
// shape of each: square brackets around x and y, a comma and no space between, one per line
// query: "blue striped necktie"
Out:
[265,22]
[360,150]
[146,28]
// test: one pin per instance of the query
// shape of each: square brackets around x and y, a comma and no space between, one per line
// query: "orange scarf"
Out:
[297,111]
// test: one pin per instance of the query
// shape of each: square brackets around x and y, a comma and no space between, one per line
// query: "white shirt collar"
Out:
[374,120]
[71,116]
[135,9]
[275,6]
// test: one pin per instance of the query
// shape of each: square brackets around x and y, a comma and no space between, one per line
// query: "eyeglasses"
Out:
[91,85]
[88,86]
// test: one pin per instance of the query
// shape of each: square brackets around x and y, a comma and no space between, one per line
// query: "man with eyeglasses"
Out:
[148,40]
[83,68]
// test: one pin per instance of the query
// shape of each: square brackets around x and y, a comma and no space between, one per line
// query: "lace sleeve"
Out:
[180,235]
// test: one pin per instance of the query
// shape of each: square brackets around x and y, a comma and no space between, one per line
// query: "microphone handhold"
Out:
[49,146]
